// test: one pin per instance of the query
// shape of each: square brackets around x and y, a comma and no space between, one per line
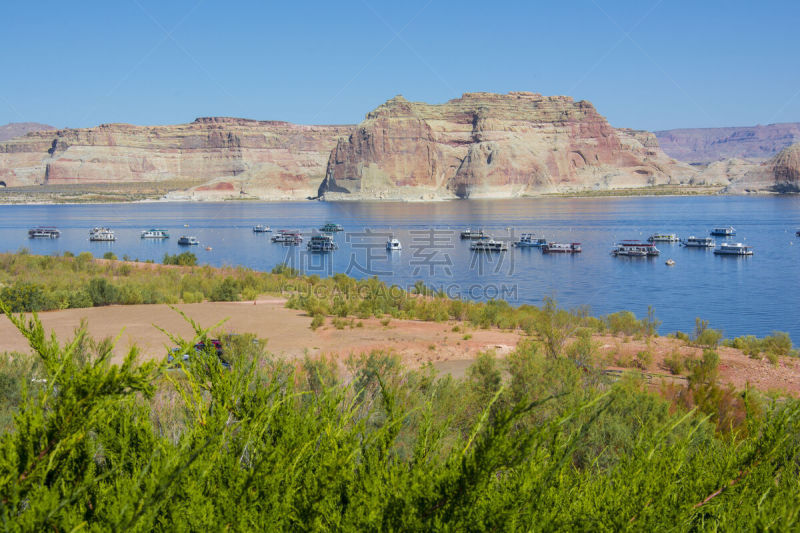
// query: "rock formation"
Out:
[18,129]
[489,145]
[267,159]
[780,174]
[705,145]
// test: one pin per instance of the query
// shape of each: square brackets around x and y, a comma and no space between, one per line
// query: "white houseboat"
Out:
[733,248]
[663,237]
[262,228]
[488,245]
[635,249]
[471,235]
[288,237]
[724,232]
[562,248]
[188,240]
[44,232]
[322,242]
[102,234]
[527,240]
[698,242]
[155,234]
[393,244]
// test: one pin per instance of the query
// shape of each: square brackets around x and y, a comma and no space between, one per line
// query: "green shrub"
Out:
[317,321]
[674,362]
[227,290]
[182,259]
[110,255]
[102,292]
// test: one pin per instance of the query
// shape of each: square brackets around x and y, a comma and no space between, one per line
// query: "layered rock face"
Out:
[271,160]
[705,145]
[489,145]
[17,129]
[780,174]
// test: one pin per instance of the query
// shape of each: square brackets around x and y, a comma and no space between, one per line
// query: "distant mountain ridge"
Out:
[18,129]
[706,145]
[481,145]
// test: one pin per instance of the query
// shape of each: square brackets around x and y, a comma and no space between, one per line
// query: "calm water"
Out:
[739,295]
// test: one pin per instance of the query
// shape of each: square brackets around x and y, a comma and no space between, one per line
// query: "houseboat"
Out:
[261,228]
[393,244]
[733,248]
[698,242]
[44,232]
[663,237]
[723,232]
[527,240]
[322,242]
[102,235]
[471,235]
[155,234]
[635,249]
[488,245]
[562,248]
[288,237]
[798,233]
[188,240]
[330,227]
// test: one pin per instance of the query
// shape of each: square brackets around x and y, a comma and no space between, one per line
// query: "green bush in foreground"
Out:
[270,444]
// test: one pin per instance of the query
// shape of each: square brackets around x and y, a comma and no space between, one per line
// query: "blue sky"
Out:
[649,64]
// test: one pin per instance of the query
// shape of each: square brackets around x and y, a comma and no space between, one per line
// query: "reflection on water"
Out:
[740,295]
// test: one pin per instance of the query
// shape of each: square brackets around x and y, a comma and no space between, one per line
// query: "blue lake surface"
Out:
[740,295]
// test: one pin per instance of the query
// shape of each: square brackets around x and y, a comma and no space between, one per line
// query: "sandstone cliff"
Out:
[17,129]
[704,145]
[780,174]
[221,156]
[490,145]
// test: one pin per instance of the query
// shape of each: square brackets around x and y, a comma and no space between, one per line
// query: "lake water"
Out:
[740,295]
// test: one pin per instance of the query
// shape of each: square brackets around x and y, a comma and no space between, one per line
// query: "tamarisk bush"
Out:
[273,444]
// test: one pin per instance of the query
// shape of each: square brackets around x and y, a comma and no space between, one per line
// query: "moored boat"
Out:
[733,248]
[698,242]
[527,240]
[288,237]
[663,237]
[635,249]
[670,262]
[262,228]
[488,245]
[330,227]
[724,232]
[393,244]
[44,232]
[322,242]
[102,234]
[562,248]
[155,234]
[470,234]
[188,240]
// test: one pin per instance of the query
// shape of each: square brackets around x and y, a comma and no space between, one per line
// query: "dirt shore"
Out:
[288,334]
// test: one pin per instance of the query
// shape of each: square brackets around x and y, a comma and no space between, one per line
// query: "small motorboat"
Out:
[262,228]
[185,240]
[670,262]
[393,244]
